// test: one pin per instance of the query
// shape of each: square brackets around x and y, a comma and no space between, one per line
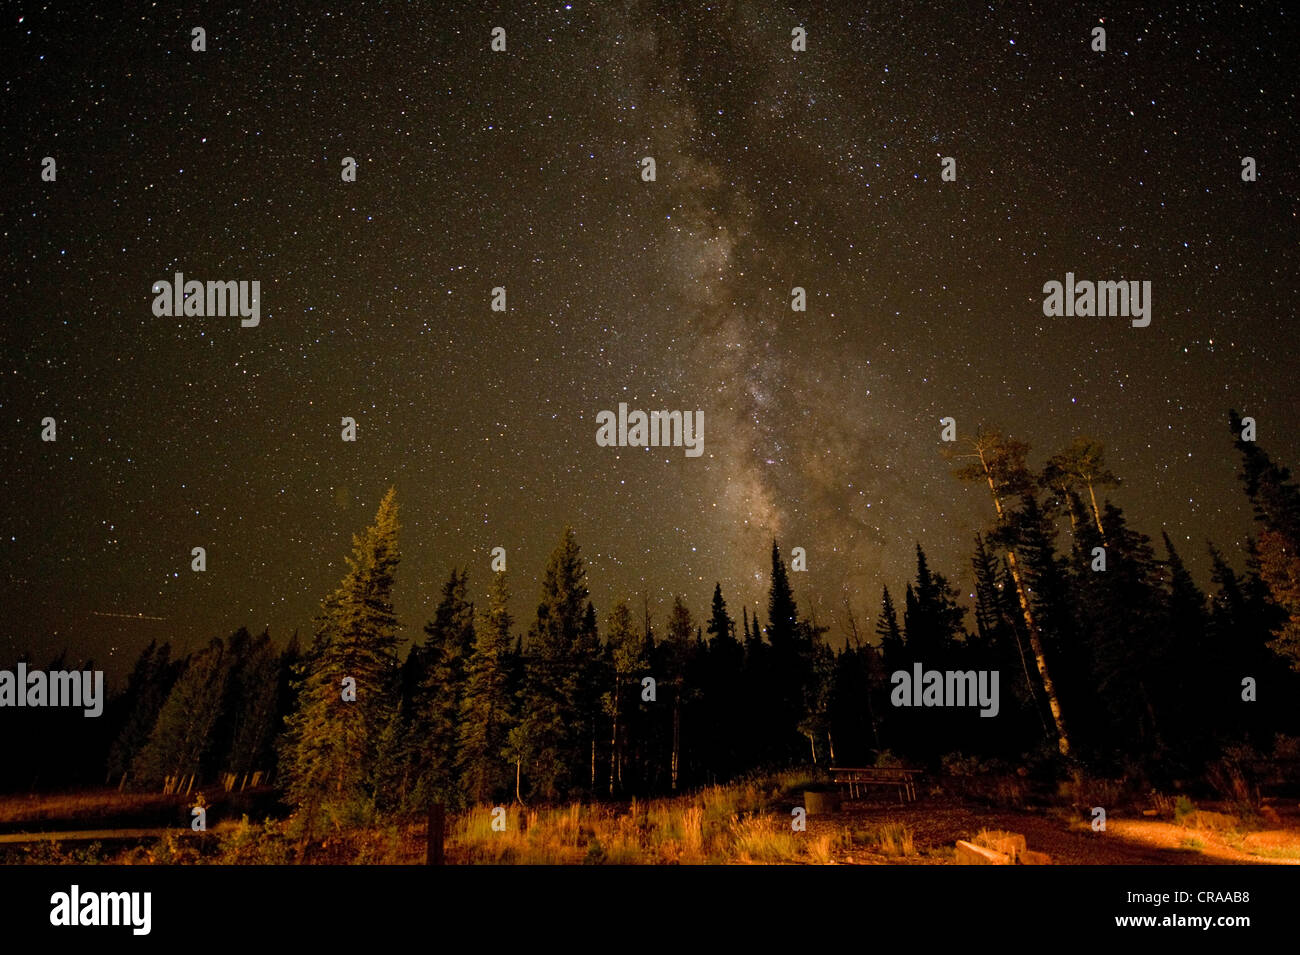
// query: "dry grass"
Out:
[744,823]
[88,804]
[895,839]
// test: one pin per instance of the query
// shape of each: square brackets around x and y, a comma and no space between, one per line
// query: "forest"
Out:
[1111,659]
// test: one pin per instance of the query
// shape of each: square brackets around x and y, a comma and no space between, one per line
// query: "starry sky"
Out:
[521,169]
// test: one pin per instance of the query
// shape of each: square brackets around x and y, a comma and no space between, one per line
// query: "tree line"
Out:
[1109,656]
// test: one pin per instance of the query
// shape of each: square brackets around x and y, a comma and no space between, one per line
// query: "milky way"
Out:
[775,169]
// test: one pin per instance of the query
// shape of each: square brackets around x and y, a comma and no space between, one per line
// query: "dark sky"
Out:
[521,169]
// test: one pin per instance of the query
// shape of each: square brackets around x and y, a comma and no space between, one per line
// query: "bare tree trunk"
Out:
[1024,666]
[1096,513]
[1036,644]
[1035,638]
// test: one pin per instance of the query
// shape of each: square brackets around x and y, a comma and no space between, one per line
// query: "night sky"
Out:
[521,169]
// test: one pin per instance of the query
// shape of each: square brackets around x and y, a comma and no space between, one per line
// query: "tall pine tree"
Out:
[346,687]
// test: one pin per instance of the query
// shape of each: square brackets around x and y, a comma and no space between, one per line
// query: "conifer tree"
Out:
[627,662]
[251,703]
[891,635]
[182,735]
[549,737]
[440,672]
[331,747]
[723,703]
[150,682]
[1276,501]
[486,710]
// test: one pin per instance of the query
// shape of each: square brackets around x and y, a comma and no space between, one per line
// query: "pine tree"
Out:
[331,745]
[624,647]
[998,644]
[251,703]
[486,709]
[932,618]
[440,673]
[674,660]
[723,712]
[549,737]
[891,635]
[147,689]
[1276,501]
[1120,611]
[791,661]
[182,734]
[721,625]
[592,677]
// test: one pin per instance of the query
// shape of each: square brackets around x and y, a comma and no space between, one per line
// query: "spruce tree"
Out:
[147,689]
[1276,501]
[486,709]
[182,735]
[332,741]
[550,735]
[891,635]
[251,703]
[627,663]
[436,701]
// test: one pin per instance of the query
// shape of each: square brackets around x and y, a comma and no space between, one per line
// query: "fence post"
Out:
[437,830]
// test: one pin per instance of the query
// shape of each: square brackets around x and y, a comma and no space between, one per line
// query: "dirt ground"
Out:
[937,823]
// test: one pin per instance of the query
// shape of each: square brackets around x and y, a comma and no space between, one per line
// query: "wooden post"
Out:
[437,830]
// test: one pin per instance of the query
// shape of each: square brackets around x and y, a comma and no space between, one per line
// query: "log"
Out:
[1011,844]
[970,854]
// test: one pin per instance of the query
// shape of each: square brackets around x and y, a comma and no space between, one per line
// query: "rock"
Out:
[1029,857]
[1150,812]
[970,854]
